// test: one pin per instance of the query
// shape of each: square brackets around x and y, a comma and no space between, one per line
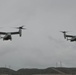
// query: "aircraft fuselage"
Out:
[73,40]
[7,37]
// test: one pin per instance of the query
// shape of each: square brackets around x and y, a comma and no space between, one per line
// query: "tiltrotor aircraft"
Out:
[72,38]
[7,35]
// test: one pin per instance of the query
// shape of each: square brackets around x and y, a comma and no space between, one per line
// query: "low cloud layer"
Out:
[41,45]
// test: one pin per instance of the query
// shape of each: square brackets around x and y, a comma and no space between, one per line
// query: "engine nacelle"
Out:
[20,32]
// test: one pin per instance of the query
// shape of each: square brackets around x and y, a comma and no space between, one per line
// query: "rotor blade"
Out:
[24,28]
[64,31]
[21,27]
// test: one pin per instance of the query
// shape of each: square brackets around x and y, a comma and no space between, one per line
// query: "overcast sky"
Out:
[41,45]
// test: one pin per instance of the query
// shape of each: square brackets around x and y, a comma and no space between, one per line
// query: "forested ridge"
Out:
[27,71]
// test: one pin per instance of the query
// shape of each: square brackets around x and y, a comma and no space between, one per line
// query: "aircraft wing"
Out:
[70,36]
[3,33]
[13,33]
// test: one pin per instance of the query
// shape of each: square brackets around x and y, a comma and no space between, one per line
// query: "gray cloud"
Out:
[41,45]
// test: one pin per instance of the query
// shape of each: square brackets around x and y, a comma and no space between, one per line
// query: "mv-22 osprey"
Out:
[72,38]
[7,35]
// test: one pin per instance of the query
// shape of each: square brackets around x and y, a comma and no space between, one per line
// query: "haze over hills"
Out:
[42,44]
[50,70]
